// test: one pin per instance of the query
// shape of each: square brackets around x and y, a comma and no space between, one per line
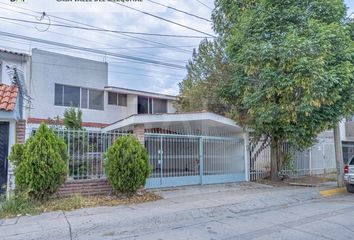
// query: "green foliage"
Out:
[16,155]
[43,167]
[207,70]
[15,205]
[292,65]
[73,118]
[288,162]
[127,165]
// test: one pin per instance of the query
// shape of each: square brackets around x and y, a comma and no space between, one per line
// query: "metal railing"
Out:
[86,151]
[317,160]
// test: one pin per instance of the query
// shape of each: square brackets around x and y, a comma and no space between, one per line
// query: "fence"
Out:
[86,151]
[189,159]
[319,159]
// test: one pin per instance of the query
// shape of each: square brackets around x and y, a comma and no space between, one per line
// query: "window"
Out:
[117,99]
[96,99]
[71,96]
[143,105]
[67,95]
[59,95]
[112,98]
[352,162]
[151,105]
[122,100]
[78,97]
[160,105]
[84,97]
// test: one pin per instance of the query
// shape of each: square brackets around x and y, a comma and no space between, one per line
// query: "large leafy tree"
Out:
[206,72]
[292,67]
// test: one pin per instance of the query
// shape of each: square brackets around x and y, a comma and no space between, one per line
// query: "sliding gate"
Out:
[178,160]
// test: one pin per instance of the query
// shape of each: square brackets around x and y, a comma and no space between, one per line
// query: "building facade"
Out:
[59,81]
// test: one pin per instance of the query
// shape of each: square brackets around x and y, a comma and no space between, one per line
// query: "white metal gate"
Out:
[178,160]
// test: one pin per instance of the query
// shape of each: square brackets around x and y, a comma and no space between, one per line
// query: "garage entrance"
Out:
[179,160]
[189,148]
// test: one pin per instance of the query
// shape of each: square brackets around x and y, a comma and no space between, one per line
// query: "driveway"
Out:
[229,211]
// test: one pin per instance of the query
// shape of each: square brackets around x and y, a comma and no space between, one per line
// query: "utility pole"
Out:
[339,156]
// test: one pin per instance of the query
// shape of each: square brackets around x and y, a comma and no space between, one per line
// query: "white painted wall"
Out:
[10,169]
[49,68]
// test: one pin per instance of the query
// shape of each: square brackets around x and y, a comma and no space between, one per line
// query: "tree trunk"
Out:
[276,159]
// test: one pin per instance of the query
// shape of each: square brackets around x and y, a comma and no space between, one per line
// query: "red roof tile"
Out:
[8,96]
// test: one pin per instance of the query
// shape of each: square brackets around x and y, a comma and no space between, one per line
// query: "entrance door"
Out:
[4,144]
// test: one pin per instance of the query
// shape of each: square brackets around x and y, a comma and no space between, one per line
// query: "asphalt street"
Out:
[229,211]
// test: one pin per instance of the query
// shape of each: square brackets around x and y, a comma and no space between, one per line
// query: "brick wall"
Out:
[85,188]
[20,131]
[139,131]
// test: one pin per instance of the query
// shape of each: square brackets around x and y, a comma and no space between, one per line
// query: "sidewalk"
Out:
[180,207]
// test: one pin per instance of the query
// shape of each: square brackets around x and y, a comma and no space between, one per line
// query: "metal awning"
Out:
[196,123]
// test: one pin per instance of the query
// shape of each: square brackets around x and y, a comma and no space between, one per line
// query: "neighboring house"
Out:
[13,70]
[59,81]
[347,137]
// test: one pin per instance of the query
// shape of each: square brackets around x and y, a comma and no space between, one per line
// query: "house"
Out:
[347,137]
[59,81]
[13,69]
[183,148]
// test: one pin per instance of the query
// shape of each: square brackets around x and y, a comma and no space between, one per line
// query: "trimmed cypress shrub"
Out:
[127,165]
[16,155]
[43,167]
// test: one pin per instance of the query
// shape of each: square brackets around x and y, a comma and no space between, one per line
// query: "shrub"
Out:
[73,118]
[43,167]
[16,155]
[127,165]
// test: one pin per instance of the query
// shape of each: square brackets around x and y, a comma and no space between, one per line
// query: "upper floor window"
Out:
[148,105]
[78,97]
[117,99]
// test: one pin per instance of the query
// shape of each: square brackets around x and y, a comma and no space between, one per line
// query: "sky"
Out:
[112,16]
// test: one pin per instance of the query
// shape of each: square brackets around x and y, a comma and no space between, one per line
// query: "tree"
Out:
[73,118]
[292,68]
[40,164]
[206,71]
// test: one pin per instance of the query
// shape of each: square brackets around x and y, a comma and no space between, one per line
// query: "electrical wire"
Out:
[164,19]
[84,39]
[178,10]
[100,30]
[85,24]
[104,53]
[204,5]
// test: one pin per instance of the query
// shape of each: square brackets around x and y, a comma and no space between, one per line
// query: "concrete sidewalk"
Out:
[184,213]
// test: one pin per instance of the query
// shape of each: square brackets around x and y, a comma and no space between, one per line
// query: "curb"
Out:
[332,192]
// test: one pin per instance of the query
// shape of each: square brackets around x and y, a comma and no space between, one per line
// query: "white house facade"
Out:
[59,81]
[183,148]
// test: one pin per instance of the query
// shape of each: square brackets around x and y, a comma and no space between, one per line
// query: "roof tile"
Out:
[8,97]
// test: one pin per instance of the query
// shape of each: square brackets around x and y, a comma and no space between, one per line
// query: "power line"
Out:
[100,30]
[164,19]
[113,46]
[117,55]
[99,70]
[204,5]
[84,24]
[181,11]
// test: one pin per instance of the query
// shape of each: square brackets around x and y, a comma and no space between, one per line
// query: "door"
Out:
[4,145]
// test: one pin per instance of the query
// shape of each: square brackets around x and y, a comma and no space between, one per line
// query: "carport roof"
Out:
[200,123]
